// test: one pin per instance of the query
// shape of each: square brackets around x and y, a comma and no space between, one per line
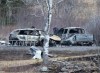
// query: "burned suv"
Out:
[26,36]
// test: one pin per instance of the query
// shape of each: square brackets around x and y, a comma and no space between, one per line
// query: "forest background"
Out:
[16,14]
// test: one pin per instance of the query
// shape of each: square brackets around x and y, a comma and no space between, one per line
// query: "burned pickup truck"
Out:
[75,36]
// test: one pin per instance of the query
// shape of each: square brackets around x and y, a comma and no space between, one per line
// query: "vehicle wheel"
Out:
[40,43]
[12,42]
[69,43]
[94,44]
[66,43]
[90,44]
[18,43]
[21,43]
[52,43]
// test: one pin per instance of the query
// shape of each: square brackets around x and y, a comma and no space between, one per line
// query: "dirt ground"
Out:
[19,62]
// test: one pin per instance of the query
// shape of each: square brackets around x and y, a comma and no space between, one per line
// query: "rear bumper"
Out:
[83,42]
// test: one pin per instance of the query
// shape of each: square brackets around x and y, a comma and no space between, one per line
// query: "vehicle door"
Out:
[64,34]
[33,35]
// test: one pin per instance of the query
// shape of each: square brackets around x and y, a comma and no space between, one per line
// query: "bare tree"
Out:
[46,31]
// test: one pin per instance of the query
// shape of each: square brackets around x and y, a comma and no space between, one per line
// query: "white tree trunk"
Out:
[46,30]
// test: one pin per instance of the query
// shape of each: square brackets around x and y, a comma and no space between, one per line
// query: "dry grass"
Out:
[21,66]
[19,62]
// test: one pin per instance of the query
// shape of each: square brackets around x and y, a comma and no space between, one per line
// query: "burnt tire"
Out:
[90,44]
[16,42]
[40,43]
[52,43]
[12,42]
[66,43]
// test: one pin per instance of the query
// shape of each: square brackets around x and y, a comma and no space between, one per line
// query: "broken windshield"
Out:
[28,32]
[77,31]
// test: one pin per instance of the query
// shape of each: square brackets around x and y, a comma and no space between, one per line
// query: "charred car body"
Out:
[74,36]
[26,36]
[29,36]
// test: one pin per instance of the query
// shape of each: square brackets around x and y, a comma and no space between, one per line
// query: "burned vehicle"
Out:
[29,37]
[26,36]
[74,36]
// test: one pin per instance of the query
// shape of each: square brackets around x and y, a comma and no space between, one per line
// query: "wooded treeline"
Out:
[66,13]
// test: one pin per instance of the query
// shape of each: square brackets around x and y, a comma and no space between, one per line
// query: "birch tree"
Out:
[46,31]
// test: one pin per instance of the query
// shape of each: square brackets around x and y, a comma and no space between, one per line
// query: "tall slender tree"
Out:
[46,31]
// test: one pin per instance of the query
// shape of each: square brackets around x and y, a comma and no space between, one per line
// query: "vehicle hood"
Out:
[55,37]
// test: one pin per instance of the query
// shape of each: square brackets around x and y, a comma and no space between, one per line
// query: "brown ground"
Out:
[18,62]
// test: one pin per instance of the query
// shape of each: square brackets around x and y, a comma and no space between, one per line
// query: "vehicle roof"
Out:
[25,29]
[72,27]
[28,29]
